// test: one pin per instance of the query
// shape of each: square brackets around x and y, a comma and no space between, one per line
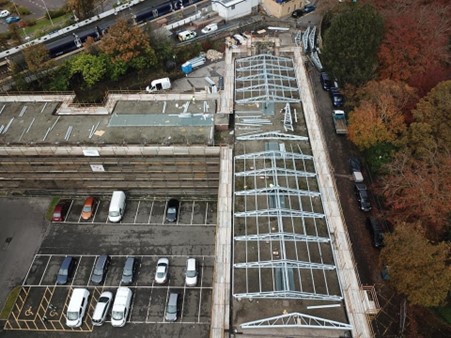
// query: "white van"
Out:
[121,306]
[77,307]
[191,272]
[186,35]
[117,206]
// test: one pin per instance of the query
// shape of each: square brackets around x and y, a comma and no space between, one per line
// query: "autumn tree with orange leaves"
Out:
[379,118]
[127,44]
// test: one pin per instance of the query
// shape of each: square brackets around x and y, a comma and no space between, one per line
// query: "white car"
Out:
[191,272]
[102,308]
[4,13]
[161,275]
[209,28]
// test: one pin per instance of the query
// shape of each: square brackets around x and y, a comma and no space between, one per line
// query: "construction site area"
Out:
[281,261]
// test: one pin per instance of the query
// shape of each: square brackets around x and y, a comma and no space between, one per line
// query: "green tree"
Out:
[417,268]
[431,129]
[351,44]
[91,68]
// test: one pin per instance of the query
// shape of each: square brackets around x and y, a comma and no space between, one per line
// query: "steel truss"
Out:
[272,135]
[265,78]
[278,212]
[286,236]
[276,171]
[277,191]
[284,263]
[274,154]
[287,294]
[299,320]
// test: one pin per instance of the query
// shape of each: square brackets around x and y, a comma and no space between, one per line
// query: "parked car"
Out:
[161,274]
[172,307]
[102,308]
[209,28]
[297,13]
[336,97]
[377,232]
[12,19]
[4,13]
[325,80]
[191,272]
[60,211]
[362,196]
[356,171]
[129,271]
[66,270]
[309,8]
[89,207]
[172,210]
[100,269]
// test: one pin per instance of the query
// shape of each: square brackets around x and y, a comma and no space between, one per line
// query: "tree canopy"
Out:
[379,117]
[417,268]
[351,44]
[91,68]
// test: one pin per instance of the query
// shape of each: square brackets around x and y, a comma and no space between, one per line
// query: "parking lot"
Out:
[143,233]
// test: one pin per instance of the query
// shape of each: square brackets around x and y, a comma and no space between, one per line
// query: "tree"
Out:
[125,42]
[91,68]
[432,121]
[83,9]
[351,44]
[417,268]
[419,190]
[36,57]
[379,118]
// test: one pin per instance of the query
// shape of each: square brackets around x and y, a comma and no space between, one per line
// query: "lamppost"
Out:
[47,10]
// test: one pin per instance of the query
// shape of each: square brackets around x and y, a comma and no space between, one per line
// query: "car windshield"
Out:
[103,299]
[56,214]
[72,315]
[171,210]
[87,208]
[172,309]
[114,213]
[62,272]
[117,315]
[127,272]
[191,273]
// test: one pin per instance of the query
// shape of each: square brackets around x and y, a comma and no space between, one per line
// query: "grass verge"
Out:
[10,300]
[53,203]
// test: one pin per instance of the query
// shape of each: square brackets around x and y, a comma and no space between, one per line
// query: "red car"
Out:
[60,211]
[89,208]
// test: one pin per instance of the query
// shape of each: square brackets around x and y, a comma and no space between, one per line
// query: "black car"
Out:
[325,80]
[66,270]
[129,271]
[309,8]
[362,196]
[336,97]
[297,13]
[377,232]
[354,164]
[172,210]
[100,269]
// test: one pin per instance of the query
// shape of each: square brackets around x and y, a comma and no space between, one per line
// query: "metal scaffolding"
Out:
[265,78]
[281,242]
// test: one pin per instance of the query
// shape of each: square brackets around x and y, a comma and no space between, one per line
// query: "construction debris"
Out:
[214,55]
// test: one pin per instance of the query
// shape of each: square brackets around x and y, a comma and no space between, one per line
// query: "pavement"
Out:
[22,228]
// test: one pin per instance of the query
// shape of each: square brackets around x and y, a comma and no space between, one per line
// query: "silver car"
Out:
[161,275]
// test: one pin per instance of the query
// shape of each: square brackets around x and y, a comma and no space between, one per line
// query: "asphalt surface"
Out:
[22,228]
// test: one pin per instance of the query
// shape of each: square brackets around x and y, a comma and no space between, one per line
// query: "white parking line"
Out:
[95,211]
[183,301]
[148,304]
[200,295]
[166,301]
[76,269]
[164,212]
[150,213]
[46,266]
[136,213]
[28,272]
[92,270]
[68,210]
[192,214]
[206,213]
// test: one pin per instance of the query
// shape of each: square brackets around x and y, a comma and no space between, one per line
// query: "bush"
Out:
[55,13]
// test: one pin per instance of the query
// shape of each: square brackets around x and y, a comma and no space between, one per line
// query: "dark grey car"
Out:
[66,270]
[100,269]
[172,307]
[129,270]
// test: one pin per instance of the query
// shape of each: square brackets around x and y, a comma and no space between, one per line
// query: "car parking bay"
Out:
[146,211]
